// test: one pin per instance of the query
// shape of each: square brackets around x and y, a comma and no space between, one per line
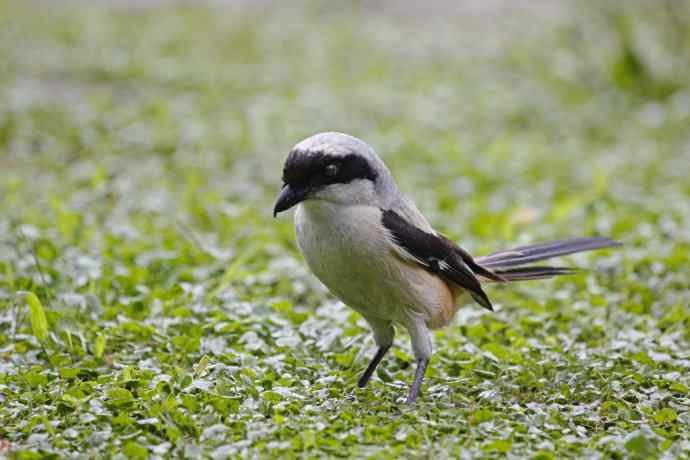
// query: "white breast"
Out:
[347,249]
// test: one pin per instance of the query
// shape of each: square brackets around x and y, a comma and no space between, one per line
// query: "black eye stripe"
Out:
[312,169]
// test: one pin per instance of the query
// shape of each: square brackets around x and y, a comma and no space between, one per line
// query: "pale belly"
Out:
[352,257]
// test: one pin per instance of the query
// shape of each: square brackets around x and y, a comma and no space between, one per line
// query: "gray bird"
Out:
[373,249]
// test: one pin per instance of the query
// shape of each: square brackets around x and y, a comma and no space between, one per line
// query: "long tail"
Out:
[508,264]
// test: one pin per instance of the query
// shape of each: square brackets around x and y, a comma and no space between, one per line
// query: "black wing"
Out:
[439,255]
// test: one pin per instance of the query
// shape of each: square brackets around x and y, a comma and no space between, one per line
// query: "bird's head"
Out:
[333,167]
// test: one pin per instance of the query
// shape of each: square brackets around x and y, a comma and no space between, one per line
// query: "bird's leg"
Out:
[383,336]
[420,336]
[380,353]
[417,382]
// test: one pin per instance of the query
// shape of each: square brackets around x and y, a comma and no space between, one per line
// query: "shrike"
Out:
[377,253]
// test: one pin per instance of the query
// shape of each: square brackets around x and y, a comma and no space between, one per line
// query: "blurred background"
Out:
[141,147]
[495,112]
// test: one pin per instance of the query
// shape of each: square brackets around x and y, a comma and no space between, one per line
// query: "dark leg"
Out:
[380,353]
[422,363]
[383,336]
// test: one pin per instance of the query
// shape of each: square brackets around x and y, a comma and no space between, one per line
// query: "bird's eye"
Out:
[331,170]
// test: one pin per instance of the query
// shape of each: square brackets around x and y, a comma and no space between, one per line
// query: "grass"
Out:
[150,306]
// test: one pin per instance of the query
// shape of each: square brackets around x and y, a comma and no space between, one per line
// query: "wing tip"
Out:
[482,299]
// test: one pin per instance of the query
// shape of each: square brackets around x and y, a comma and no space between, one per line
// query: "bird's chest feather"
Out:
[345,247]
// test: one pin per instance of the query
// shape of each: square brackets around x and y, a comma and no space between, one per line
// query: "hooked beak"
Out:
[288,197]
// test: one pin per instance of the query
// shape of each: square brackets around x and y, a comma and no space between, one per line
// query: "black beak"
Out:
[288,197]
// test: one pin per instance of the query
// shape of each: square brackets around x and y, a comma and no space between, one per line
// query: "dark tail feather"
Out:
[533,273]
[508,264]
[527,254]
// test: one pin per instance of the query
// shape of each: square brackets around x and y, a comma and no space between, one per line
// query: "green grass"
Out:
[140,151]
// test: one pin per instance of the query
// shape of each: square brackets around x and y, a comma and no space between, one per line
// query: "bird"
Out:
[374,250]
